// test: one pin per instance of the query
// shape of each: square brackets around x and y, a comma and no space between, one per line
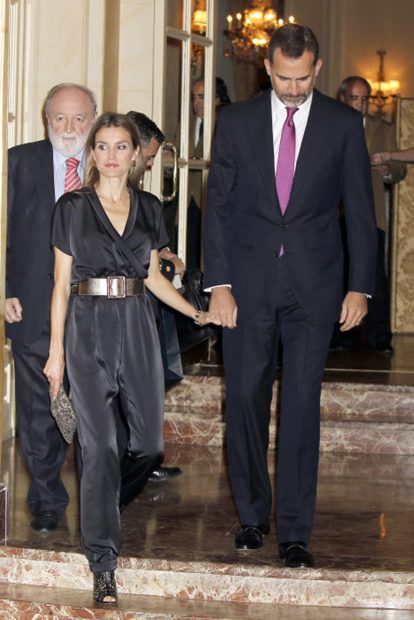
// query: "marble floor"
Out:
[364,524]
[364,518]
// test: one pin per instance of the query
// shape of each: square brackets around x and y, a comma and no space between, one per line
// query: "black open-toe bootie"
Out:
[104,586]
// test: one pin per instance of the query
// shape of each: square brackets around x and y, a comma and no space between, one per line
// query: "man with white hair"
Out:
[39,173]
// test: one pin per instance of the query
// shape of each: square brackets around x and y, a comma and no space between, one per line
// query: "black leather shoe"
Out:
[251,536]
[295,555]
[163,474]
[45,521]
[385,349]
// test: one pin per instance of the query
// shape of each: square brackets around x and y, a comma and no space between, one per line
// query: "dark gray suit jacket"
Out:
[29,268]
[244,227]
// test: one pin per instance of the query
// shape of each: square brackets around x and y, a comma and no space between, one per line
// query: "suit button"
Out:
[50,276]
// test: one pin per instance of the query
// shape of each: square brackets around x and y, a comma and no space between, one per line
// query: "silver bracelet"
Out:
[196,318]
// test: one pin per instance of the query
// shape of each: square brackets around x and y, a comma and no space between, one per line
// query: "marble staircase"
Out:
[184,566]
[355,417]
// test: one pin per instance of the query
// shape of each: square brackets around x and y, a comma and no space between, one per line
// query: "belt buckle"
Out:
[116,287]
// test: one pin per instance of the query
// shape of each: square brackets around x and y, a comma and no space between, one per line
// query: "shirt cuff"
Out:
[210,288]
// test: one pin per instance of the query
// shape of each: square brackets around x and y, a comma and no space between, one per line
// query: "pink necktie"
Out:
[286,161]
[72,178]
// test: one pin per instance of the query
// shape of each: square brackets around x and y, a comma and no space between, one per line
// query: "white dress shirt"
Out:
[300,120]
[197,130]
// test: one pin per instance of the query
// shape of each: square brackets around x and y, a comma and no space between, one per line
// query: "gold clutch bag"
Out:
[62,410]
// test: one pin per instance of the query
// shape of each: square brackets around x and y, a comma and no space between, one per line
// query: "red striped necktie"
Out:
[72,178]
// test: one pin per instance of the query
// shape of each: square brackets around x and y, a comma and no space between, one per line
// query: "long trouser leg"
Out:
[42,444]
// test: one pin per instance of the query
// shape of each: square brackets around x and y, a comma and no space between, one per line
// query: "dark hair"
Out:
[221,90]
[147,129]
[113,119]
[293,40]
[349,82]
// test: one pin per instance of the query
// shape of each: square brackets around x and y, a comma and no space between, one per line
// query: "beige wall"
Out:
[351,32]
[403,234]
[107,45]
[3,184]
[136,51]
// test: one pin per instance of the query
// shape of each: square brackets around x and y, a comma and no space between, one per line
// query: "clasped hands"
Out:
[223,309]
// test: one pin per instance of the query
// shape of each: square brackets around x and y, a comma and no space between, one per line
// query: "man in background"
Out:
[39,173]
[152,138]
[196,150]
[355,91]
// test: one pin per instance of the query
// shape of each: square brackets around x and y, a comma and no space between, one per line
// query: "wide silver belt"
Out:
[113,287]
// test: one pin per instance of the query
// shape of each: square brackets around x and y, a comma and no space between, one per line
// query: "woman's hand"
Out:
[53,370]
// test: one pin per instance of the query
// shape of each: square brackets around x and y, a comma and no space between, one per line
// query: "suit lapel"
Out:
[369,130]
[43,175]
[312,144]
[259,130]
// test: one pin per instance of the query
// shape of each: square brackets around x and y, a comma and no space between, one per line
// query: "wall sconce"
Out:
[199,22]
[199,27]
[383,91]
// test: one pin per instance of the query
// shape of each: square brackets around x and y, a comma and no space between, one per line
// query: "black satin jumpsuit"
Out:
[112,355]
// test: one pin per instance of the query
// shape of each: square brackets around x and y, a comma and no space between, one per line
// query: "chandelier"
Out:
[250,31]
[383,91]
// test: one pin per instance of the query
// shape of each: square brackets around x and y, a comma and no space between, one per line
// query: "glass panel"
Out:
[195,202]
[196,149]
[170,192]
[172,92]
[175,13]
[199,17]
[171,125]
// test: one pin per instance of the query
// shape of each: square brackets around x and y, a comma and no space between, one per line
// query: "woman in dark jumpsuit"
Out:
[111,345]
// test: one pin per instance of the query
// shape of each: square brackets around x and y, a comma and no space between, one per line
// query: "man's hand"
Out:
[354,308]
[178,263]
[13,311]
[223,307]
[381,166]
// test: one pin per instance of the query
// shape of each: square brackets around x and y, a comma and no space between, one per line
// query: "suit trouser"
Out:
[378,318]
[250,358]
[113,358]
[42,444]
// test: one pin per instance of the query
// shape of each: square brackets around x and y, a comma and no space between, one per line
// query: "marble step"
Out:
[213,582]
[35,602]
[357,418]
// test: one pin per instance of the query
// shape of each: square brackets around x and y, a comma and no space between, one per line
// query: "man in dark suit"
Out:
[152,138]
[39,173]
[273,261]
[355,91]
